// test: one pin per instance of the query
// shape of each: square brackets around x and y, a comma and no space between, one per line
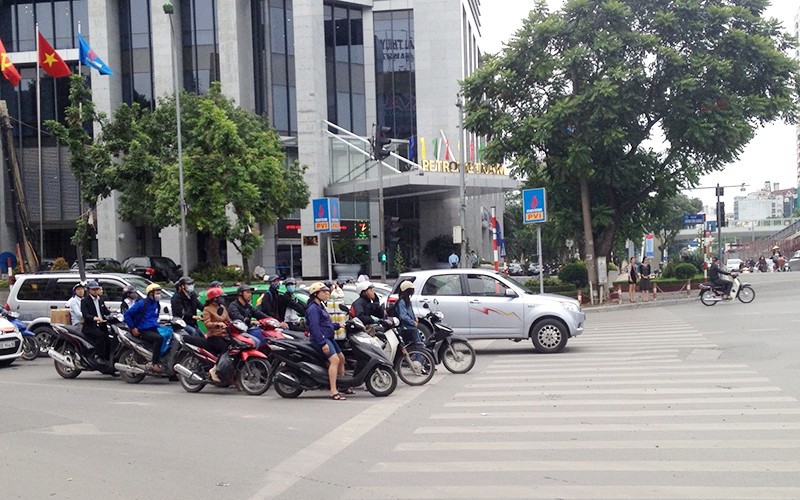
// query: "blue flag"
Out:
[412,146]
[89,58]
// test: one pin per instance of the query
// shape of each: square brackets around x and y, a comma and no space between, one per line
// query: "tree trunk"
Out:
[246,268]
[213,251]
[587,232]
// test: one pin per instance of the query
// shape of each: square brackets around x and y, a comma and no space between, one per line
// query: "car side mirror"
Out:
[511,293]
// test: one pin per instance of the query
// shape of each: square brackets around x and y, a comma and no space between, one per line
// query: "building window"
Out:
[395,72]
[273,53]
[136,53]
[344,62]
[200,47]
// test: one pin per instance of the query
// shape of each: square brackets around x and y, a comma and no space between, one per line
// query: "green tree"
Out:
[235,170]
[671,218]
[89,159]
[622,103]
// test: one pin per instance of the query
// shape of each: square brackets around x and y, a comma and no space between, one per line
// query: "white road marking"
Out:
[555,403]
[598,392]
[613,414]
[577,465]
[728,427]
[585,444]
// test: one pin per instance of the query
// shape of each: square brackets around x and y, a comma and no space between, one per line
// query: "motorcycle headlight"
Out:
[439,314]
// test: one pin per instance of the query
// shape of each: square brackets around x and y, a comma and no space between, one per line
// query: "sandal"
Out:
[348,391]
[338,397]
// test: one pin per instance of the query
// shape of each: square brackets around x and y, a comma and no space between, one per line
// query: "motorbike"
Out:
[135,353]
[30,346]
[710,293]
[453,351]
[73,353]
[413,362]
[249,368]
[301,367]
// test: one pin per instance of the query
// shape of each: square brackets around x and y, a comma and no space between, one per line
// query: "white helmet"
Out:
[363,286]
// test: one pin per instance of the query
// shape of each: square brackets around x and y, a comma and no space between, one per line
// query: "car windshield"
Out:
[140,284]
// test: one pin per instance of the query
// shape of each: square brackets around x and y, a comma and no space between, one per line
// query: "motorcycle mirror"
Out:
[344,308]
[425,305]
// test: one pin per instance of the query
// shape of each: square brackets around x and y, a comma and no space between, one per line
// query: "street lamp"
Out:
[169,9]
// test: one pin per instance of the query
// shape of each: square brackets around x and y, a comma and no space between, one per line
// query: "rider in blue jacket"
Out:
[142,319]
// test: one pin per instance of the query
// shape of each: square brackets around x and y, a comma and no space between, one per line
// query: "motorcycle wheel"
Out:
[708,297]
[254,376]
[381,381]
[194,365]
[415,369]
[130,358]
[458,357]
[285,390]
[747,295]
[62,370]
[44,337]
[30,348]
[424,332]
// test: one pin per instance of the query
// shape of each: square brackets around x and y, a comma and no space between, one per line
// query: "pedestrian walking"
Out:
[453,260]
[633,278]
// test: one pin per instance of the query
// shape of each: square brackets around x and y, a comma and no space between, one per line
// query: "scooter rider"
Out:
[270,301]
[321,330]
[367,307]
[295,310]
[715,278]
[241,309]
[142,319]
[185,305]
[216,318]
[74,304]
[405,312]
[94,312]
[131,297]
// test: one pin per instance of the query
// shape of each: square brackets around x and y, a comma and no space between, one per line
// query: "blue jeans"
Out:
[192,331]
[255,334]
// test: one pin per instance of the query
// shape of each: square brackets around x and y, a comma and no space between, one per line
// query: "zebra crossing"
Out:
[635,411]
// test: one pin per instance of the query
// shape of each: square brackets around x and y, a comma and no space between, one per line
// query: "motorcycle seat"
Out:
[136,340]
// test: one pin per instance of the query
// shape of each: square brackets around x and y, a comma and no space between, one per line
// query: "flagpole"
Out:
[79,59]
[39,142]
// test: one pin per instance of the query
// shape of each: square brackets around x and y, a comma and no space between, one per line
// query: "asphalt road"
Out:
[667,400]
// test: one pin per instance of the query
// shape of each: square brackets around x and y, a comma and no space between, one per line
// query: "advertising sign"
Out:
[326,215]
[693,219]
[534,206]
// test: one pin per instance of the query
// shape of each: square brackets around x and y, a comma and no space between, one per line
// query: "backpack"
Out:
[391,309]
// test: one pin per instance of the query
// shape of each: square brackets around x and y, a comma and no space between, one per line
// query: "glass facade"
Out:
[136,53]
[395,72]
[200,45]
[344,60]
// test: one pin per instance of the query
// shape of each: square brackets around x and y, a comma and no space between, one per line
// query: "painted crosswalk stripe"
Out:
[618,402]
[728,427]
[584,444]
[647,382]
[578,465]
[504,415]
[549,375]
[603,392]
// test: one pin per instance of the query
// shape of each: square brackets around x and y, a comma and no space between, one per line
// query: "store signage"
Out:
[454,167]
[534,206]
[354,229]
[326,215]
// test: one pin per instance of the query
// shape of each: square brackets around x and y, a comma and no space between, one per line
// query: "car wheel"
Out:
[44,337]
[549,336]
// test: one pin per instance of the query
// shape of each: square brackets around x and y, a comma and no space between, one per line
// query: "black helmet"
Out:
[244,288]
[271,277]
[216,283]
[183,281]
[289,281]
[128,290]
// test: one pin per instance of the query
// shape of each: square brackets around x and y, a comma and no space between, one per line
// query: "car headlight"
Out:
[571,306]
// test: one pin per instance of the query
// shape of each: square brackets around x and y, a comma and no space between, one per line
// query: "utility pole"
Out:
[462,179]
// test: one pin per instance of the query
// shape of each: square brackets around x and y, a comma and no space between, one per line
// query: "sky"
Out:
[770,156]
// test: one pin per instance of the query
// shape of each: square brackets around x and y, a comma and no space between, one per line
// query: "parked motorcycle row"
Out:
[286,358]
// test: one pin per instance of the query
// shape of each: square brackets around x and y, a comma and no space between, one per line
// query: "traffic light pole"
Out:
[720,219]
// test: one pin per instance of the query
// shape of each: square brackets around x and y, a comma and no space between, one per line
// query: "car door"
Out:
[444,292]
[493,313]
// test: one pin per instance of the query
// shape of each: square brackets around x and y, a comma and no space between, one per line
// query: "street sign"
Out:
[693,219]
[534,206]
[326,215]
[649,241]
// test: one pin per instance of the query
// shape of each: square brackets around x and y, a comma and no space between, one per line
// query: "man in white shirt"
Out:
[74,304]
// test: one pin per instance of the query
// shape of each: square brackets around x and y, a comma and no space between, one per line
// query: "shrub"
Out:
[533,284]
[612,266]
[439,247]
[576,273]
[669,269]
[60,264]
[226,274]
[685,271]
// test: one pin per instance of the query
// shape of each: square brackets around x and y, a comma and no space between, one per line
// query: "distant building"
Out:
[766,203]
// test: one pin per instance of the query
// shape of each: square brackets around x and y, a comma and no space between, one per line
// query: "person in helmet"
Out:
[216,319]
[714,277]
[242,309]
[321,333]
[367,307]
[131,296]
[74,304]
[270,301]
[142,319]
[95,312]
[294,310]
[405,312]
[185,305]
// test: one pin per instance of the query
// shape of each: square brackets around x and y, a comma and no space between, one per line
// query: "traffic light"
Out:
[382,257]
[380,146]
[721,214]
[393,227]
[720,190]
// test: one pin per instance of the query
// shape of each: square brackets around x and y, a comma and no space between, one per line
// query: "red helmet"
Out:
[213,293]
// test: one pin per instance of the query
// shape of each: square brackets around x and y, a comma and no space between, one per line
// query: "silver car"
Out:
[482,304]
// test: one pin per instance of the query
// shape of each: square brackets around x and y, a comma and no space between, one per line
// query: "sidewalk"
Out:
[663,298]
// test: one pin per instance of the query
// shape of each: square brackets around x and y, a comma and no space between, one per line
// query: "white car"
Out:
[482,304]
[10,342]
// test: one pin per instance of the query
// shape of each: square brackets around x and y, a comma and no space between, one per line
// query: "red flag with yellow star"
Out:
[50,61]
[7,68]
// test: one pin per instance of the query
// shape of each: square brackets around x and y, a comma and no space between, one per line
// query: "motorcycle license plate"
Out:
[8,344]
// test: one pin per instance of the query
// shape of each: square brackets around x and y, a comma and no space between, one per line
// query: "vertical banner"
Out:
[649,239]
